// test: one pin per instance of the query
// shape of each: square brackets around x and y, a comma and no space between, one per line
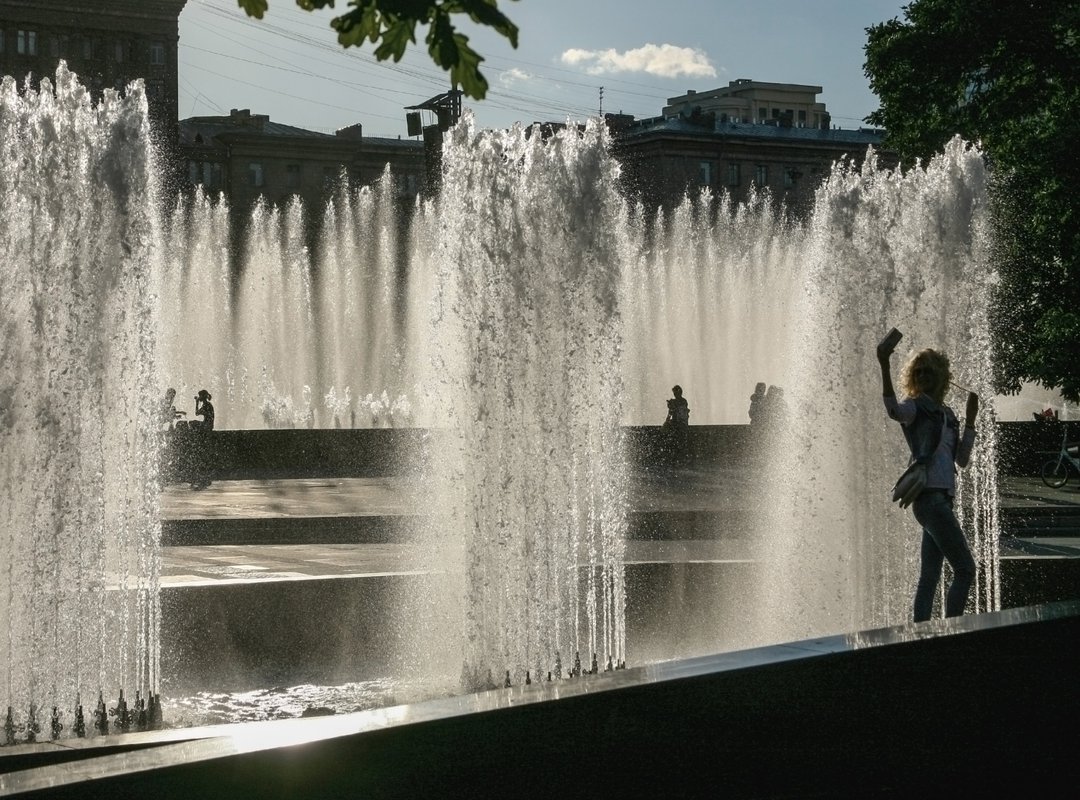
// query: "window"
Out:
[734,178]
[26,43]
[255,174]
[118,52]
[330,177]
[763,113]
[155,90]
[292,176]
[791,176]
[704,175]
[212,175]
[776,113]
[761,175]
[157,53]
[802,118]
[3,35]
[206,173]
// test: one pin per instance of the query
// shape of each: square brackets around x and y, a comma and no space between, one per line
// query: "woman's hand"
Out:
[972,410]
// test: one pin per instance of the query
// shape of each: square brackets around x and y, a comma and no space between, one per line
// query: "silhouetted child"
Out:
[169,414]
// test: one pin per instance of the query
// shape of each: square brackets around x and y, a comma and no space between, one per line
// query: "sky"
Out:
[575,58]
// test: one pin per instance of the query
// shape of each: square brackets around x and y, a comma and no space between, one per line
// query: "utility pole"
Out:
[447,108]
[601,102]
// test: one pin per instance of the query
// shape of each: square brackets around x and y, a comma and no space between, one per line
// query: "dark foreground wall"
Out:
[982,707]
[371,452]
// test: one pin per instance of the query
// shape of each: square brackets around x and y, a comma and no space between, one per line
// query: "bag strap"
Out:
[909,434]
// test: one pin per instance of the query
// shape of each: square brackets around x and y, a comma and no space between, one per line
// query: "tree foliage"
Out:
[391,26]
[1007,76]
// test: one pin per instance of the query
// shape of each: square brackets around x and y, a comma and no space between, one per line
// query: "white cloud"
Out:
[661,60]
[514,76]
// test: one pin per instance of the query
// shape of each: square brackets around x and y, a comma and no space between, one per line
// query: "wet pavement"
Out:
[1038,522]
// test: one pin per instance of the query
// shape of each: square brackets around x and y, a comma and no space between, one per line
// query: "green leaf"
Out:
[253,8]
[396,37]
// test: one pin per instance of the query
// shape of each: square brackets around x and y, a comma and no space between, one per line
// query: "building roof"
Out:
[244,123]
[258,124]
[659,126]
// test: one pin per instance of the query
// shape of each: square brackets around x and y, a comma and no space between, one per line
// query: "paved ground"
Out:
[328,497]
[376,497]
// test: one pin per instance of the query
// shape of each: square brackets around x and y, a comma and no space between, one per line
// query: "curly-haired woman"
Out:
[933,435]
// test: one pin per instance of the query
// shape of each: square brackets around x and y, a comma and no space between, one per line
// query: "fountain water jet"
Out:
[79,525]
[525,345]
[883,249]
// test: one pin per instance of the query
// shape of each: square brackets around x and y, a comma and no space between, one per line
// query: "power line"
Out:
[426,78]
[284,94]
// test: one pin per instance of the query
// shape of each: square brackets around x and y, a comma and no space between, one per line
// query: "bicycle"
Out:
[1055,472]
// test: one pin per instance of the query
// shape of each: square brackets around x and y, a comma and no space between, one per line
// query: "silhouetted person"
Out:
[757,401]
[774,406]
[934,438]
[169,414]
[201,450]
[677,424]
[205,409]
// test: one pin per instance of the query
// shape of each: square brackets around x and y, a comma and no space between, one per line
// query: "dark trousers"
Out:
[942,539]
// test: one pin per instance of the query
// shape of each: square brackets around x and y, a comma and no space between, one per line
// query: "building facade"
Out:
[248,157]
[745,101]
[107,43]
[743,140]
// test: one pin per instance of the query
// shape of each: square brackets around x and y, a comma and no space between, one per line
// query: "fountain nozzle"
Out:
[32,726]
[9,727]
[101,715]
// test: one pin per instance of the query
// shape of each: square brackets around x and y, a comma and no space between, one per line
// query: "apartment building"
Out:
[746,138]
[745,101]
[107,43]
[248,157]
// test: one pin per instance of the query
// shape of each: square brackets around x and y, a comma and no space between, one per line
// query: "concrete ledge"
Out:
[399,528]
[370,452]
[973,705]
[366,452]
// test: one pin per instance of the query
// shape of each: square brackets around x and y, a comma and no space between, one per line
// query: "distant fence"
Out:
[373,452]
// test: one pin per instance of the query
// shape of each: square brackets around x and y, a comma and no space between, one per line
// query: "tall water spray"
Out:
[283,336]
[883,249]
[525,355]
[79,527]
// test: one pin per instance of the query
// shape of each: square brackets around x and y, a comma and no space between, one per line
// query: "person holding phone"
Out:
[201,452]
[927,421]
[205,409]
